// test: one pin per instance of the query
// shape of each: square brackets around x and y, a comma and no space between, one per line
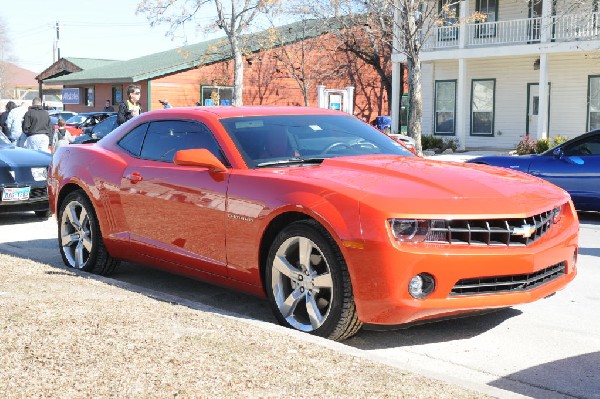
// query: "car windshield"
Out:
[294,139]
[77,119]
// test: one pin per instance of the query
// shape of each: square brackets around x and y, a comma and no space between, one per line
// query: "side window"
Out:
[590,146]
[165,138]
[132,142]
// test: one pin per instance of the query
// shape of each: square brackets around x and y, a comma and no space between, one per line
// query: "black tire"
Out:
[43,214]
[79,237]
[313,294]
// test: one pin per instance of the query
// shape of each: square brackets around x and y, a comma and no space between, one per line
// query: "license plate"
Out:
[15,194]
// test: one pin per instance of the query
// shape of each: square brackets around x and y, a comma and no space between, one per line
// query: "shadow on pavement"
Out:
[589,251]
[7,219]
[589,217]
[440,331]
[576,377]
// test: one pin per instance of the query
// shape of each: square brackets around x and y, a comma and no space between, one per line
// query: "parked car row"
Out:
[80,123]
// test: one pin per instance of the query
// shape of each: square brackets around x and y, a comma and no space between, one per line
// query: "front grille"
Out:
[514,283]
[509,232]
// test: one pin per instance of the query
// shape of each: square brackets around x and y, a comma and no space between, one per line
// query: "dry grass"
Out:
[68,336]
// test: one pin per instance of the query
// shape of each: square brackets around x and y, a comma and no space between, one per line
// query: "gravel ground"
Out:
[64,334]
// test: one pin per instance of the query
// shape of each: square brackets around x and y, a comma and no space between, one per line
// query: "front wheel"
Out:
[308,284]
[79,237]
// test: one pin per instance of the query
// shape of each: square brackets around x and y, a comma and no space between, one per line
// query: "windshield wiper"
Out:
[291,161]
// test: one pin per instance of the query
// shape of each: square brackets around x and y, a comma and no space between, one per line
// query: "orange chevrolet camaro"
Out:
[335,223]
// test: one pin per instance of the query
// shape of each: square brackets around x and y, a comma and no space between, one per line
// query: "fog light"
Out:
[421,285]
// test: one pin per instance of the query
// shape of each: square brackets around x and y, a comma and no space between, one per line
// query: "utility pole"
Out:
[57,42]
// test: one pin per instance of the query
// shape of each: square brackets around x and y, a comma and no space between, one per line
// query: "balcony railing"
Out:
[517,31]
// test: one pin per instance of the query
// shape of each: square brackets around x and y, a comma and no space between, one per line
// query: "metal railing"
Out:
[570,27]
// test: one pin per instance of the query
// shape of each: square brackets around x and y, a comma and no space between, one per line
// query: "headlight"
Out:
[418,230]
[411,230]
[557,214]
[39,174]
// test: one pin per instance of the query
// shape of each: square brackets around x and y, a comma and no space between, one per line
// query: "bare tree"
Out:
[303,54]
[412,23]
[5,55]
[233,21]
[362,28]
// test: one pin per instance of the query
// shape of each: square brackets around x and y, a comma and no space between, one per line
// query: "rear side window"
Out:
[165,138]
[132,142]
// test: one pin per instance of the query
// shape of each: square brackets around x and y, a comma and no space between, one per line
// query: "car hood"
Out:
[414,186]
[17,156]
[520,163]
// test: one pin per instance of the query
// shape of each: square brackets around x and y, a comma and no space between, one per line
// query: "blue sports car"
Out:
[573,165]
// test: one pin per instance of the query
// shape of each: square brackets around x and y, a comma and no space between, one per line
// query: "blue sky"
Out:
[107,29]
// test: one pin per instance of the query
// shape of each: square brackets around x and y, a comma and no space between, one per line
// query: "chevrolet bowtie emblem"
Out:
[526,230]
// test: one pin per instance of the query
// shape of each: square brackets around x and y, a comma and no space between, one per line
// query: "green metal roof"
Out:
[187,57]
[88,63]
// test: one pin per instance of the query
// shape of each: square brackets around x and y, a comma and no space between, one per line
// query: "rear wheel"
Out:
[308,284]
[79,237]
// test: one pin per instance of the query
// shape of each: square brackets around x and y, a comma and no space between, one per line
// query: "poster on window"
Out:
[70,96]
[335,102]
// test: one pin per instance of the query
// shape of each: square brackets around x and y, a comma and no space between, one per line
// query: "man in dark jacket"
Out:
[37,127]
[131,106]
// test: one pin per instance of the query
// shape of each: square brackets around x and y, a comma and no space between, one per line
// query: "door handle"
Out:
[134,177]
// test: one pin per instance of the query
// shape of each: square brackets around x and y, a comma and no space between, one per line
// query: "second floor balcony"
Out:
[564,28]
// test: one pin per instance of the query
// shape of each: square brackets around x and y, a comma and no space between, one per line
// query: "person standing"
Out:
[61,136]
[131,107]
[108,107]
[14,123]
[37,127]
[9,107]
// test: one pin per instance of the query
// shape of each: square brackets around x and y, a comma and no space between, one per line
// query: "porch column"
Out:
[546,26]
[462,24]
[462,108]
[396,82]
[396,73]
[542,128]
[321,96]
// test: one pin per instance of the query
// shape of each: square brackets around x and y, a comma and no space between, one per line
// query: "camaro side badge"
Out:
[240,217]
[526,230]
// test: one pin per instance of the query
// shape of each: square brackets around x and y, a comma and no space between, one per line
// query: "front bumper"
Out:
[381,271]
[38,201]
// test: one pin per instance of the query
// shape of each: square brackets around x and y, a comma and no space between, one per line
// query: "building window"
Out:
[482,107]
[445,107]
[216,95]
[88,96]
[593,102]
[489,9]
[117,94]
[449,11]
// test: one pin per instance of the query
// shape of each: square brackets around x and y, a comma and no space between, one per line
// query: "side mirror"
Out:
[558,152]
[199,157]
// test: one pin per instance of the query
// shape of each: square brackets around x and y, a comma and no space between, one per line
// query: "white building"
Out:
[533,67]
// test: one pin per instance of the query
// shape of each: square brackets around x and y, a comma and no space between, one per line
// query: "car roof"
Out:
[233,111]
[96,113]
